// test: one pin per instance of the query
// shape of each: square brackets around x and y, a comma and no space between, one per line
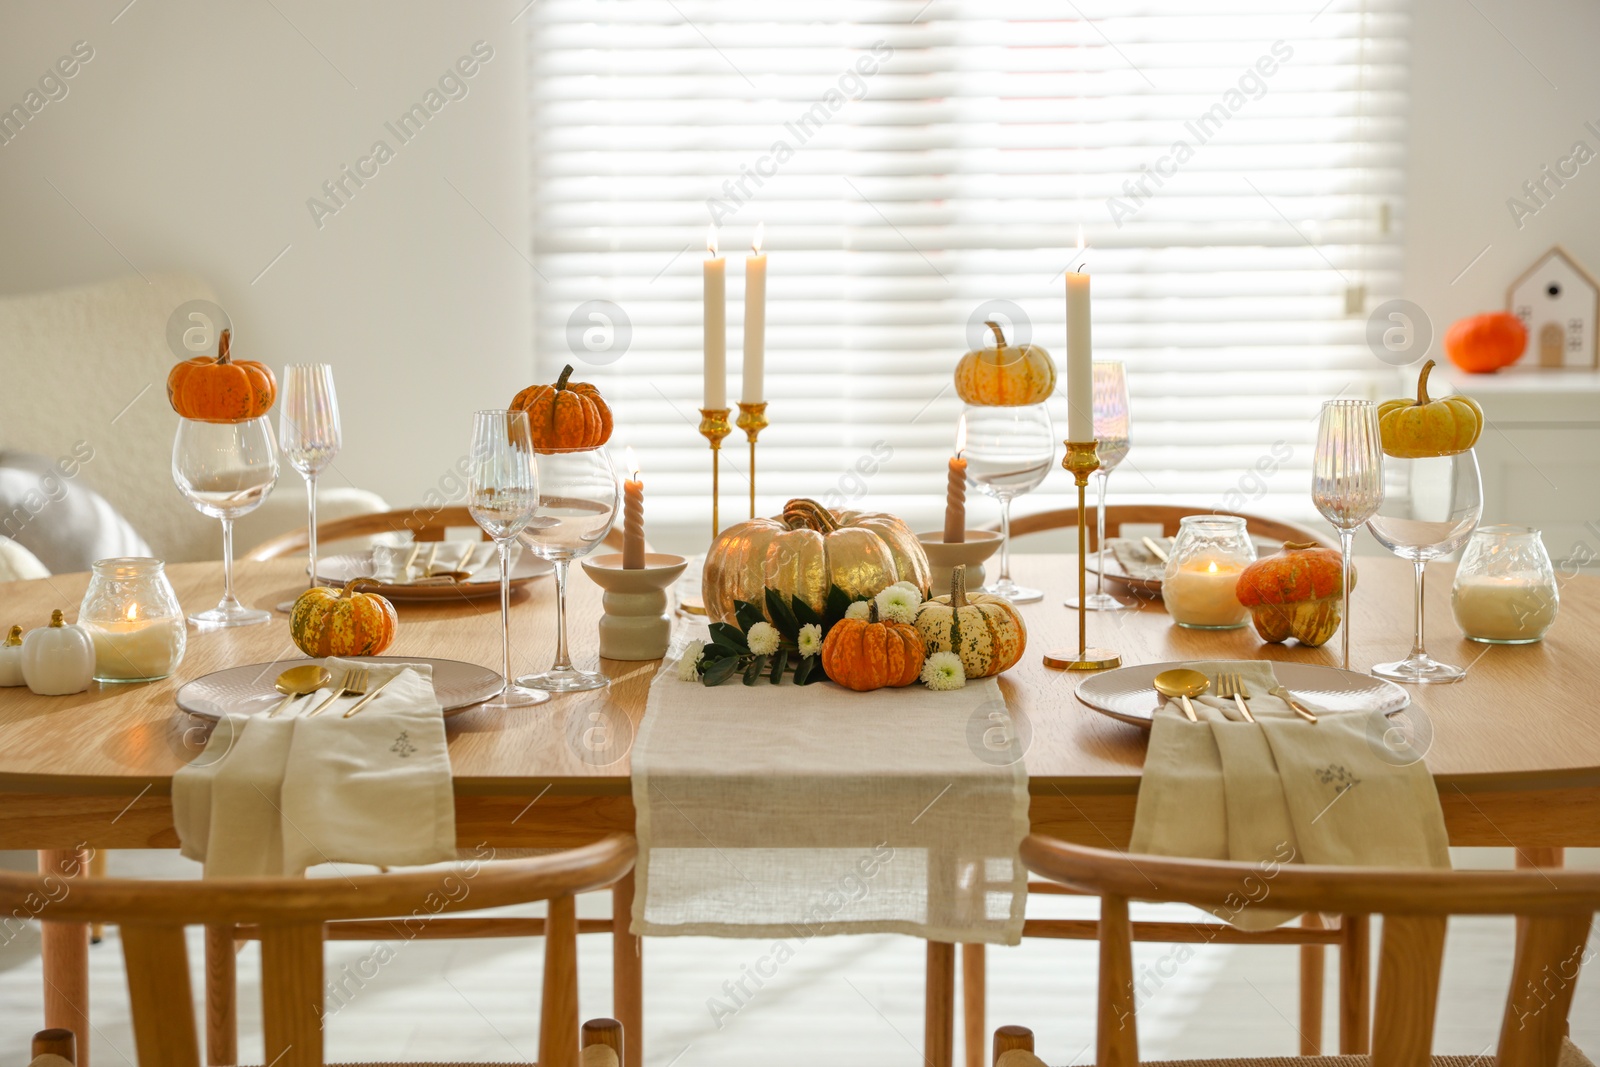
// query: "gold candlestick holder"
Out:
[1082,459]
[714,427]
[752,420]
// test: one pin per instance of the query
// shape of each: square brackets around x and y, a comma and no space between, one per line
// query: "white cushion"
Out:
[17,564]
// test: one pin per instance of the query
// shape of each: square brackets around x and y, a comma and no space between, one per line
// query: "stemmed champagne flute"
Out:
[1009,452]
[578,497]
[309,436]
[1434,517]
[225,469]
[1111,438]
[1347,479]
[502,496]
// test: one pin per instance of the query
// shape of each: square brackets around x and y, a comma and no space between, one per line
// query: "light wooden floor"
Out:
[477,999]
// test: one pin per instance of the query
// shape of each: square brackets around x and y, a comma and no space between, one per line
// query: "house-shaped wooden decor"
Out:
[1559,302]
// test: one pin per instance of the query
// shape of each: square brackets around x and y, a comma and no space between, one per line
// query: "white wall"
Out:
[1484,119]
[193,139]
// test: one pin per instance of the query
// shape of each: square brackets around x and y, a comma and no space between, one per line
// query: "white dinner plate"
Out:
[248,690]
[336,570]
[1127,693]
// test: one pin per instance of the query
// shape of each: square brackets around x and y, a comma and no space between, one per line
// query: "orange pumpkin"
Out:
[342,622]
[1482,344]
[565,416]
[866,654]
[1296,592]
[1005,376]
[221,389]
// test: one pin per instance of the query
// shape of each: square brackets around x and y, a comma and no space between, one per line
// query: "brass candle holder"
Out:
[714,427]
[752,420]
[1082,459]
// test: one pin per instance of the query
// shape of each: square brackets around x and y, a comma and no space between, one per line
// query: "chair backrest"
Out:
[1557,907]
[291,914]
[422,523]
[1167,516]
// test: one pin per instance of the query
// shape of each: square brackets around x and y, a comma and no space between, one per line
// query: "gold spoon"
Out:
[1182,684]
[298,682]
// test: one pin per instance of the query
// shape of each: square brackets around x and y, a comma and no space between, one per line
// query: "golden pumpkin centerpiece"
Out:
[1424,428]
[805,551]
[1005,375]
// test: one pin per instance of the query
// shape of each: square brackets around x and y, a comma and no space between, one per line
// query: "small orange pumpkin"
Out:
[1296,592]
[1005,376]
[342,622]
[867,654]
[1482,344]
[221,389]
[565,416]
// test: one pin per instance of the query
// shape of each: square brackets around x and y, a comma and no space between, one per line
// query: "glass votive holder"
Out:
[134,619]
[1203,568]
[1505,588]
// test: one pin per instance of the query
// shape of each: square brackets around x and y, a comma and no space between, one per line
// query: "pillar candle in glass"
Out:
[755,321]
[133,617]
[1505,589]
[1203,568]
[955,493]
[632,517]
[715,317]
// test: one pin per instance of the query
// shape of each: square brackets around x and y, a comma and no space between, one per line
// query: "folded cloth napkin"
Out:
[272,797]
[404,564]
[1281,790]
[1137,560]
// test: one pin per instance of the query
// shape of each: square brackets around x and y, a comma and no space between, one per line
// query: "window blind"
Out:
[1237,175]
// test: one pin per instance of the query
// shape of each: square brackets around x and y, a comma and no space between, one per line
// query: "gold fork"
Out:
[1229,684]
[353,685]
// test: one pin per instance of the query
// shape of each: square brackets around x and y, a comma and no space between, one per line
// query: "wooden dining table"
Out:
[1514,748]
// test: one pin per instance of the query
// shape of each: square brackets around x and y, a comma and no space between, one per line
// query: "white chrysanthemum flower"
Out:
[762,638]
[809,639]
[689,665]
[861,609]
[899,603]
[942,671]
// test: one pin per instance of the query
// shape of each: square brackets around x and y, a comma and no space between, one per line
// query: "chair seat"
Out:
[1571,1056]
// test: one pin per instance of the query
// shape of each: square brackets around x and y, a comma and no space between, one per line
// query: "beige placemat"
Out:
[786,812]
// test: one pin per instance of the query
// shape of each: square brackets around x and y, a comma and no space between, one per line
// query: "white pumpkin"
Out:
[57,659]
[11,659]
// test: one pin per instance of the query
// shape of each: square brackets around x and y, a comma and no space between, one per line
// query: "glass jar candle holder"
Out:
[134,619]
[1203,568]
[1505,588]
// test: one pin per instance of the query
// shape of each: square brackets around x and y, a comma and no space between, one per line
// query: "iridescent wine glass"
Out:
[1347,480]
[309,437]
[1111,440]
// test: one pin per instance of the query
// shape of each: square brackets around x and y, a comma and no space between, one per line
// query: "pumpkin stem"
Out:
[225,346]
[958,587]
[353,584]
[1422,384]
[999,335]
[1297,546]
[56,619]
[802,513]
[872,610]
[14,638]
[561,382]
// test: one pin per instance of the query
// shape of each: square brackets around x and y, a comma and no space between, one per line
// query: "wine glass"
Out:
[309,436]
[1439,511]
[1009,452]
[502,496]
[226,469]
[1111,437]
[578,497]
[1347,479]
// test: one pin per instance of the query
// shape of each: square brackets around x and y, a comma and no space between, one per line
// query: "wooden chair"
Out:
[292,917]
[54,1047]
[423,524]
[1167,517]
[1555,909]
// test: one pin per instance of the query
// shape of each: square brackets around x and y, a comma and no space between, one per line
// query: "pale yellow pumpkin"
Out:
[985,631]
[1424,427]
[803,552]
[1005,375]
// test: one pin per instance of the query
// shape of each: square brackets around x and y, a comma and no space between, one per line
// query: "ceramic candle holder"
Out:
[944,558]
[635,624]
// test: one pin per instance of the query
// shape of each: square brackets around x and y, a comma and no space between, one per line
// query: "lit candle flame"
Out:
[961,436]
[1211,568]
[761,231]
[132,613]
[711,240]
[633,463]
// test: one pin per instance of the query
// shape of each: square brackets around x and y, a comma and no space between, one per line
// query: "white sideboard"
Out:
[1540,455]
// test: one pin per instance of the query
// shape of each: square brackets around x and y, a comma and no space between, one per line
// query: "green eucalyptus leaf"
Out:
[728,637]
[782,616]
[752,672]
[837,604]
[747,614]
[780,663]
[720,671]
[804,614]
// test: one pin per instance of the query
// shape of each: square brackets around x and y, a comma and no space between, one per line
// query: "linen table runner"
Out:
[788,811]
[1282,790]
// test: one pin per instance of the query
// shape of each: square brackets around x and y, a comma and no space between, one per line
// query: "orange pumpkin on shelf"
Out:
[342,622]
[871,653]
[566,416]
[1482,344]
[221,389]
[1297,592]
